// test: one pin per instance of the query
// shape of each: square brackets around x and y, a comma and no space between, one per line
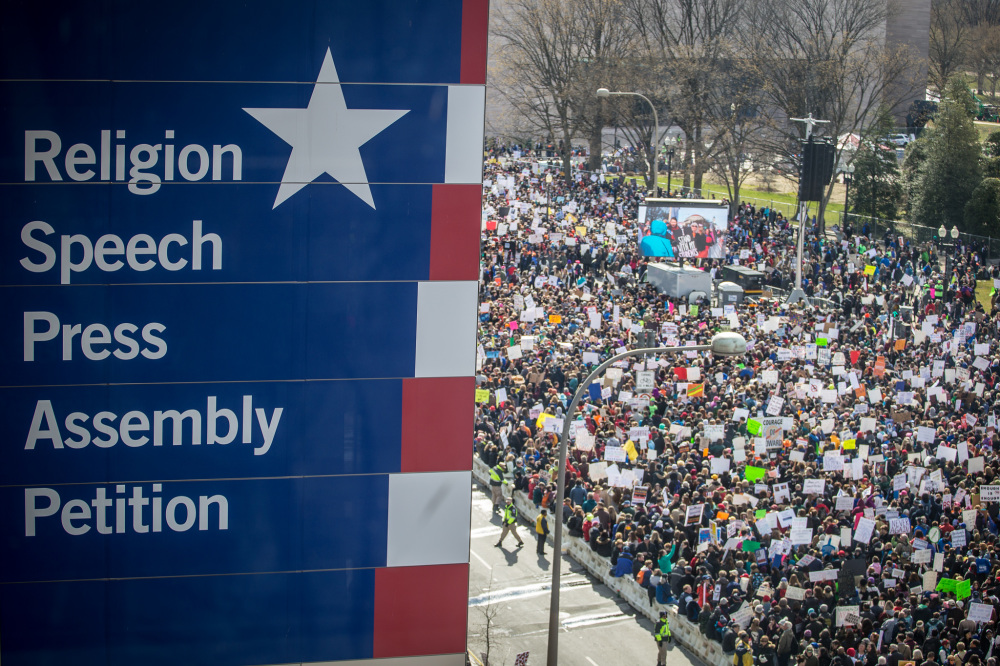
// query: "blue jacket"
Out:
[624,566]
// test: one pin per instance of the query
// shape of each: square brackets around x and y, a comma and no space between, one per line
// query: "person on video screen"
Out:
[657,243]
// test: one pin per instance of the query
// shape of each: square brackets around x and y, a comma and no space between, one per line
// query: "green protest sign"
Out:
[946,585]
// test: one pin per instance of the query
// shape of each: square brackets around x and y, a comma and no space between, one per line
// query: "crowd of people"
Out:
[829,498]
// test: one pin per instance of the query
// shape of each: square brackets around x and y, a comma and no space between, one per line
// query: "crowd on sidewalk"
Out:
[832,494]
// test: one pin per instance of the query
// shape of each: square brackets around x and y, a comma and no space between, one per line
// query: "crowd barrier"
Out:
[685,633]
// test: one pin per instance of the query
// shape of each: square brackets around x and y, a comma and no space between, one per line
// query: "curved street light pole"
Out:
[604,92]
[726,344]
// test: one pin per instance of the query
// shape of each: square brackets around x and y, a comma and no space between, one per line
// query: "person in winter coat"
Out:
[742,651]
[542,530]
[787,644]
[624,565]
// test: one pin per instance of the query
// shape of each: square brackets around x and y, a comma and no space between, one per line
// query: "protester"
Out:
[834,491]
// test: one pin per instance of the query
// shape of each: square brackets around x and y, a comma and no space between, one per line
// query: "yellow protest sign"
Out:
[850,444]
[482,395]
[869,270]
[555,319]
[581,231]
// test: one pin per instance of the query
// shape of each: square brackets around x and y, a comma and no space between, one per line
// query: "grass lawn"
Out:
[778,198]
[785,203]
[985,129]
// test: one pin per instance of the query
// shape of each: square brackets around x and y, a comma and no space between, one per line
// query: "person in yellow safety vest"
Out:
[744,651]
[662,635]
[497,482]
[541,530]
[510,523]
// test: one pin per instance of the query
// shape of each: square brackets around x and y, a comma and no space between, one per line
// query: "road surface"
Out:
[512,587]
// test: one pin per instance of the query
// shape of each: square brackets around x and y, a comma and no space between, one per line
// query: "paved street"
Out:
[512,585]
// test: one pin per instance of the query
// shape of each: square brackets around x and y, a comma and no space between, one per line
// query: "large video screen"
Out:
[683,228]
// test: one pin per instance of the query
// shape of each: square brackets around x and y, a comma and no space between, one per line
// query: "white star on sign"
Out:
[326,137]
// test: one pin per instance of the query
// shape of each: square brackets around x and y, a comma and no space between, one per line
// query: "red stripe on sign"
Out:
[456,212]
[475,28]
[438,417]
[421,610]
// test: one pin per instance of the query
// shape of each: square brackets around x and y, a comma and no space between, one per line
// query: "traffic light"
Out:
[815,168]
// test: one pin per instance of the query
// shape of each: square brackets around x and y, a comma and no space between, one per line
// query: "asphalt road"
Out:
[511,587]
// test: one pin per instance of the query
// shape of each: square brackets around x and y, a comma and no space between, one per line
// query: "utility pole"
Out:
[797,293]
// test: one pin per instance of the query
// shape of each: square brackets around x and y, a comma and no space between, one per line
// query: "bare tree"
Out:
[494,652]
[738,125]
[949,41]
[553,54]
[984,56]
[980,12]
[828,58]
[606,49]
[684,47]
[634,115]
[538,56]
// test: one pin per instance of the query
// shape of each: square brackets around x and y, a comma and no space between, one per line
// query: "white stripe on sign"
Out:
[446,329]
[429,516]
[463,161]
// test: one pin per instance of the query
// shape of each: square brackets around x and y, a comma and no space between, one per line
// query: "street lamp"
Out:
[848,179]
[670,168]
[947,248]
[604,92]
[722,344]
[548,196]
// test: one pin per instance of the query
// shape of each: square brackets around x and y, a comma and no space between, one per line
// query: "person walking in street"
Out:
[510,523]
[542,530]
[662,635]
[497,482]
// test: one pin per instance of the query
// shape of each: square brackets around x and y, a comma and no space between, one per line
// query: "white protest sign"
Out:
[864,531]
[980,612]
[813,486]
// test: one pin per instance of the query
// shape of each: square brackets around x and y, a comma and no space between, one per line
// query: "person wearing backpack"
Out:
[743,655]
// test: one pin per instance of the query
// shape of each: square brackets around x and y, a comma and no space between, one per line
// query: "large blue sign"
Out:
[238,255]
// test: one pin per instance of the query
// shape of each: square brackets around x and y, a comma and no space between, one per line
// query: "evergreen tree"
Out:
[982,213]
[878,190]
[952,170]
[991,156]
[913,173]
